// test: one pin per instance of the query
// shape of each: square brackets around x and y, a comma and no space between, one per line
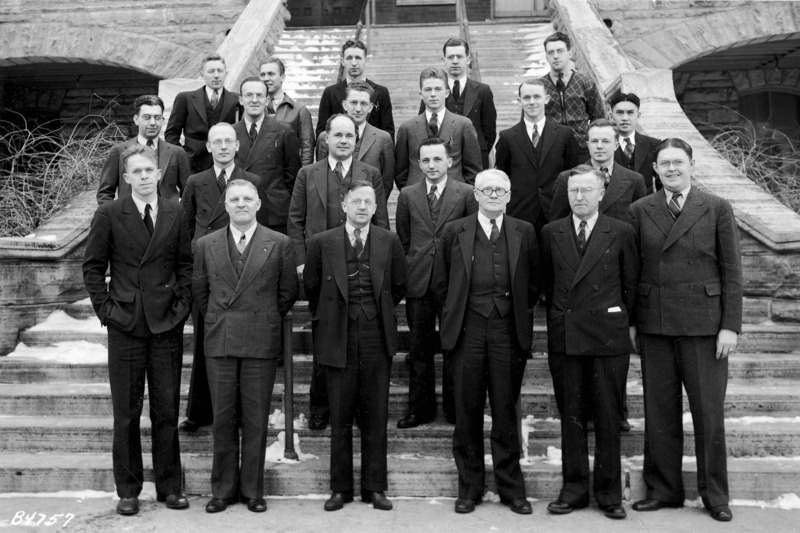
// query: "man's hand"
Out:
[726,342]
[634,339]
[300,269]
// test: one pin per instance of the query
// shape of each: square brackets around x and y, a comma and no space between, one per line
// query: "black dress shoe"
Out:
[412,421]
[625,426]
[651,504]
[464,505]
[562,507]
[519,506]
[615,511]
[722,514]
[317,422]
[189,426]
[257,505]
[177,501]
[337,500]
[216,505]
[378,499]
[128,506]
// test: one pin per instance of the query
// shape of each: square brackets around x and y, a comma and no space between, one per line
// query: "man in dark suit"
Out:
[243,283]
[145,241]
[203,202]
[591,269]
[316,206]
[270,150]
[373,146]
[423,210]
[354,278]
[354,62]
[194,112]
[689,312]
[436,121]
[172,161]
[469,98]
[486,273]
[635,151]
[533,153]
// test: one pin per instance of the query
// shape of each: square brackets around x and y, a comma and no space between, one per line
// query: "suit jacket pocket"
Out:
[714,293]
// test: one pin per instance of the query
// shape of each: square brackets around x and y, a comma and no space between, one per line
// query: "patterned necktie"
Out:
[432,196]
[495,234]
[222,180]
[433,125]
[148,220]
[456,90]
[214,98]
[606,176]
[339,170]
[359,246]
[253,133]
[560,82]
[674,206]
[535,136]
[242,244]
[582,236]
[629,151]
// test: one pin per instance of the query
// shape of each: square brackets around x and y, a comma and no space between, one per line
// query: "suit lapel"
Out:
[548,137]
[335,250]
[513,242]
[524,142]
[199,103]
[210,191]
[565,242]
[266,136]
[163,156]
[132,220]
[367,141]
[449,202]
[219,252]
[448,128]
[260,249]
[321,181]
[616,188]
[420,128]
[658,212]
[466,241]
[244,142]
[419,198]
[228,101]
[599,240]
[639,151]
[377,260]
[167,213]
[340,93]
[470,96]
[693,209]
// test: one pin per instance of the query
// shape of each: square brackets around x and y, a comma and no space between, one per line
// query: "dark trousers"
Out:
[363,386]
[247,382]
[422,314]
[318,393]
[198,407]
[487,357]
[130,359]
[668,362]
[555,361]
[592,386]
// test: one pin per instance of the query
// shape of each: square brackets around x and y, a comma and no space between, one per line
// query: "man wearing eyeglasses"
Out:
[486,272]
[354,278]
[172,160]
[591,268]
[268,148]
[316,206]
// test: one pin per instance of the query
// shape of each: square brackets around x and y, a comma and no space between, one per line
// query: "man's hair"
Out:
[492,172]
[603,123]
[358,184]
[455,42]
[556,37]
[138,149]
[359,86]
[531,81]
[435,141]
[148,99]
[213,57]
[432,72]
[217,126]
[350,43]
[586,169]
[674,142]
[240,183]
[625,97]
[252,78]
[333,117]
[277,61]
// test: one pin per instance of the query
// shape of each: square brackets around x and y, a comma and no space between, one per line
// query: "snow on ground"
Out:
[70,352]
[60,321]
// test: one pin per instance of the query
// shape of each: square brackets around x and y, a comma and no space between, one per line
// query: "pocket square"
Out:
[615,309]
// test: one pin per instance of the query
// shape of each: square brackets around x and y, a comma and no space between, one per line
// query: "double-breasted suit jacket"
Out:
[644,155]
[455,130]
[624,188]
[172,162]
[331,104]
[325,280]
[533,179]
[275,158]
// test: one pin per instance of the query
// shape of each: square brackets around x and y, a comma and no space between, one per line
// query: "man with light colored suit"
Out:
[591,268]
[270,150]
[194,112]
[436,121]
[373,146]
[172,160]
[316,206]
[243,283]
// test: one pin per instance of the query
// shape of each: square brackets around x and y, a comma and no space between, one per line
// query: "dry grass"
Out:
[41,170]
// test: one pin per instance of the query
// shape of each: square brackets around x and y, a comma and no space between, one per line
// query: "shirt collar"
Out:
[361,129]
[684,192]
[210,91]
[609,165]
[539,125]
[462,82]
[486,223]
[258,123]
[228,171]
[346,164]
[349,228]
[140,206]
[248,233]
[567,76]
[439,186]
[439,115]
[632,138]
[590,222]
[143,141]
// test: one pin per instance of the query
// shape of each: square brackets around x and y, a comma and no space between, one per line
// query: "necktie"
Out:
[242,244]
[495,234]
[359,246]
[222,180]
[673,205]
[432,196]
[150,144]
[629,150]
[433,125]
[535,136]
[582,236]
[214,98]
[148,220]
[270,108]
[253,133]
[456,90]
[560,82]
[607,176]
[340,171]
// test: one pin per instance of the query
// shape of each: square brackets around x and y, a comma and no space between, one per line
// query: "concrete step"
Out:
[744,398]
[408,476]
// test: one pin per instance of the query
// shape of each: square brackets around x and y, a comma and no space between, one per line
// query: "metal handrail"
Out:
[288,388]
